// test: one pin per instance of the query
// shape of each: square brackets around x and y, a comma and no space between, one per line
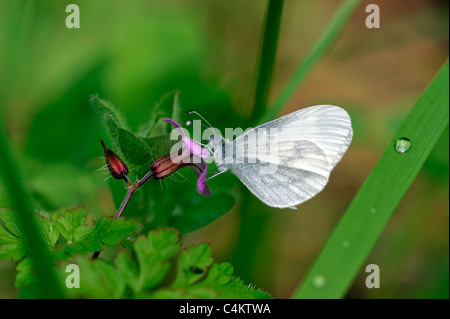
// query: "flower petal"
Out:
[200,170]
[193,147]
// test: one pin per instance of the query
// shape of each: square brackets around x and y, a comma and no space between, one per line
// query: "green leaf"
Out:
[153,253]
[105,109]
[195,281]
[159,145]
[6,237]
[12,244]
[25,275]
[49,230]
[13,251]
[167,107]
[10,221]
[118,229]
[357,232]
[98,279]
[107,231]
[135,149]
[195,212]
[68,221]
[139,277]
[220,279]
[192,264]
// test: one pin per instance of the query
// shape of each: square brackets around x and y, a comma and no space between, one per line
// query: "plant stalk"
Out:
[266,57]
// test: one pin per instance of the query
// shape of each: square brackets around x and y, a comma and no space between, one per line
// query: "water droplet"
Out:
[372,210]
[319,281]
[345,244]
[402,145]
[188,123]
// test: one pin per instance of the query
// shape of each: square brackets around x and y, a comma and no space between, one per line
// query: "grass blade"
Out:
[47,282]
[350,243]
[266,58]
[252,224]
[321,46]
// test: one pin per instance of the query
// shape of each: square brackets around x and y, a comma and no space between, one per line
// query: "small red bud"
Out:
[116,166]
[165,166]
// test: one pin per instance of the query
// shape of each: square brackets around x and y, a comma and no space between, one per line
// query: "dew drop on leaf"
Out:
[319,281]
[402,145]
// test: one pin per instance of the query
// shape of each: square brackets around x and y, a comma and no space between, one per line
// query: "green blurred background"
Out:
[132,53]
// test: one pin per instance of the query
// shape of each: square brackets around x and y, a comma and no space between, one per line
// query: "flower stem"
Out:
[322,45]
[145,178]
[125,202]
[131,190]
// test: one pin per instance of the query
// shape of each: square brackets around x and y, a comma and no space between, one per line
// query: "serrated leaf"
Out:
[192,265]
[107,231]
[153,253]
[217,282]
[25,274]
[13,251]
[11,222]
[98,279]
[194,281]
[220,279]
[118,230]
[6,237]
[139,278]
[68,221]
[49,230]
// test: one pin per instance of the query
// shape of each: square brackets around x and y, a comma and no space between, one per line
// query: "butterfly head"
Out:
[216,142]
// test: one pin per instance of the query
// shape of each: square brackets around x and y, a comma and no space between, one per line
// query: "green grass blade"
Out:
[252,225]
[48,286]
[352,240]
[320,48]
[266,58]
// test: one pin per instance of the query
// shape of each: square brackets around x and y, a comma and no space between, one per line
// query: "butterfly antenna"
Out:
[198,114]
[188,123]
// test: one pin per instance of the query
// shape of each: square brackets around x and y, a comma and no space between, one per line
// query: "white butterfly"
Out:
[299,151]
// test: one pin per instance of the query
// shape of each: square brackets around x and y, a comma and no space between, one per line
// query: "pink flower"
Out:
[166,165]
[193,147]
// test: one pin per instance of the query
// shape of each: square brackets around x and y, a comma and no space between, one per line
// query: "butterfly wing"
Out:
[298,152]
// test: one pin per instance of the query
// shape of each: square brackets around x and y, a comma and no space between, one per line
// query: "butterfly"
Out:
[283,162]
[299,152]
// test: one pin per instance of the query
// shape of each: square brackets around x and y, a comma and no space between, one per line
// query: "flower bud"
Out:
[116,166]
[164,166]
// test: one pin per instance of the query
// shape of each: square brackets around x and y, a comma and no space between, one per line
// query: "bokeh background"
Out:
[132,53]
